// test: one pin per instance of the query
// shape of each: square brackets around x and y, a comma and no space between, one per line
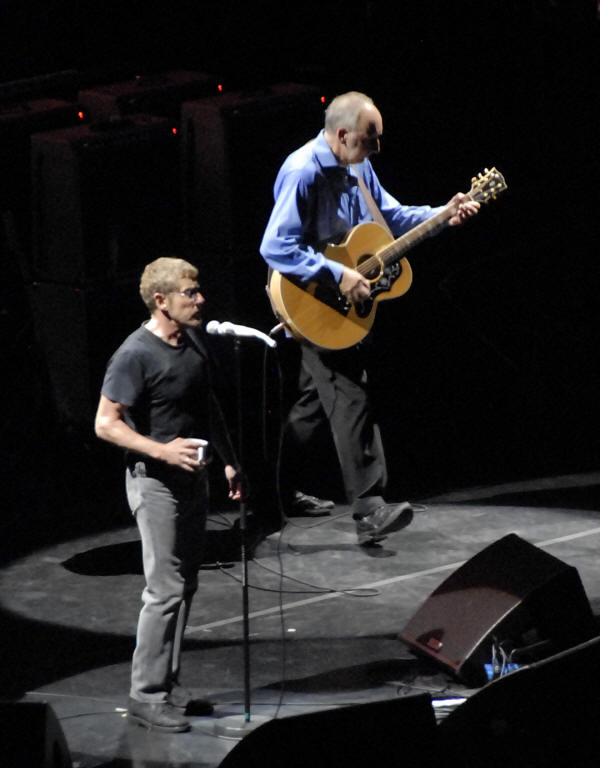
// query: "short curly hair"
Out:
[162,276]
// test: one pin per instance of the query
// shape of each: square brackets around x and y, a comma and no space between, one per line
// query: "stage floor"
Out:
[324,617]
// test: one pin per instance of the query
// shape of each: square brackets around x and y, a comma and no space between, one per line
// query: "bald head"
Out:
[353,127]
[344,110]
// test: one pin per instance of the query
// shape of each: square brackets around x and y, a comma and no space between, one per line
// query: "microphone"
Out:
[230,329]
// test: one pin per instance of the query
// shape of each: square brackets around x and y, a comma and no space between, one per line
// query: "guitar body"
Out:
[321,315]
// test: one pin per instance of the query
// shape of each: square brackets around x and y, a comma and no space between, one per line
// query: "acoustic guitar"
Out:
[320,314]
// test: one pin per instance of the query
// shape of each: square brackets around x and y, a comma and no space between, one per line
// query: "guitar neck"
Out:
[484,188]
[416,235]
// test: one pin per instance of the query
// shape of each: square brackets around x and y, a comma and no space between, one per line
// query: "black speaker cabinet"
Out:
[31,736]
[160,94]
[106,199]
[77,330]
[543,715]
[386,733]
[511,595]
[19,119]
[233,146]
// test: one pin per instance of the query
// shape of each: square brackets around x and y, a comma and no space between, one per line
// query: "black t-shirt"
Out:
[165,388]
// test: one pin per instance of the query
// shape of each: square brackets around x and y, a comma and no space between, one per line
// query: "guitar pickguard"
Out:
[386,282]
[384,285]
[334,299]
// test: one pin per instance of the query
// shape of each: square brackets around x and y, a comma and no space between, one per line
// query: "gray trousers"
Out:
[169,506]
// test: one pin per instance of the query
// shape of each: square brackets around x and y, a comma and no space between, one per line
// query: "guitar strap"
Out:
[375,212]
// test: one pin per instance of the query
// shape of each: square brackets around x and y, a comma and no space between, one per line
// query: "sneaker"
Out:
[184,701]
[375,526]
[304,505]
[161,716]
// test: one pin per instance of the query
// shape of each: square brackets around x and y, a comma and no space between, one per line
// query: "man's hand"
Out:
[234,480]
[110,425]
[462,208]
[182,452]
[354,287]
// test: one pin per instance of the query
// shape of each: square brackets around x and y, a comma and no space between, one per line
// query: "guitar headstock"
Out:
[487,185]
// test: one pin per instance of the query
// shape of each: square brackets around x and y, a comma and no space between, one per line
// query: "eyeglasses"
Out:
[189,293]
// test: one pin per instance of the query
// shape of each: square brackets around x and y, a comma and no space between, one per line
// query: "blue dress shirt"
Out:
[317,201]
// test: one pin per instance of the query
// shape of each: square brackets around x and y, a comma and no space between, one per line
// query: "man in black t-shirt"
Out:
[156,403]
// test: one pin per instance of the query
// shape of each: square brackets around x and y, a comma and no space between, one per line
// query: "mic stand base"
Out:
[237,726]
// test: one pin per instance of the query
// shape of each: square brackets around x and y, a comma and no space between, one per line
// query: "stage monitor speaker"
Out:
[31,736]
[105,199]
[511,596]
[232,148]
[542,715]
[386,733]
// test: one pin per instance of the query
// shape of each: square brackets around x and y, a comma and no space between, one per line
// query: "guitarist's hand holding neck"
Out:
[461,207]
[353,286]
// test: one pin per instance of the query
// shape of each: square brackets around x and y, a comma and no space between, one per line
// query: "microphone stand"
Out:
[237,726]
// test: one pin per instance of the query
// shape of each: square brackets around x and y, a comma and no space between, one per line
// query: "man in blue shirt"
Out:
[317,201]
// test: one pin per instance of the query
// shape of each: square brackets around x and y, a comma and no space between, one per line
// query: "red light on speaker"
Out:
[323,99]
[174,131]
[81,115]
[434,644]
[220,88]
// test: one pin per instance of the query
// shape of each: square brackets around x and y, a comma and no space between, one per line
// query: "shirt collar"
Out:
[324,153]
[328,161]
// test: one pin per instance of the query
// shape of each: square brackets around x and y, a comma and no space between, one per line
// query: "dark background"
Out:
[485,371]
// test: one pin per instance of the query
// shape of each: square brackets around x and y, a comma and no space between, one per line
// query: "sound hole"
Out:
[375,272]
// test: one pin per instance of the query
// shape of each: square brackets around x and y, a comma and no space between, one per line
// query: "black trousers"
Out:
[333,390]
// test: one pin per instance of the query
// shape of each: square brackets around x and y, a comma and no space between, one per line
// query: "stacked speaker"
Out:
[104,198]
[233,146]
[156,166]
